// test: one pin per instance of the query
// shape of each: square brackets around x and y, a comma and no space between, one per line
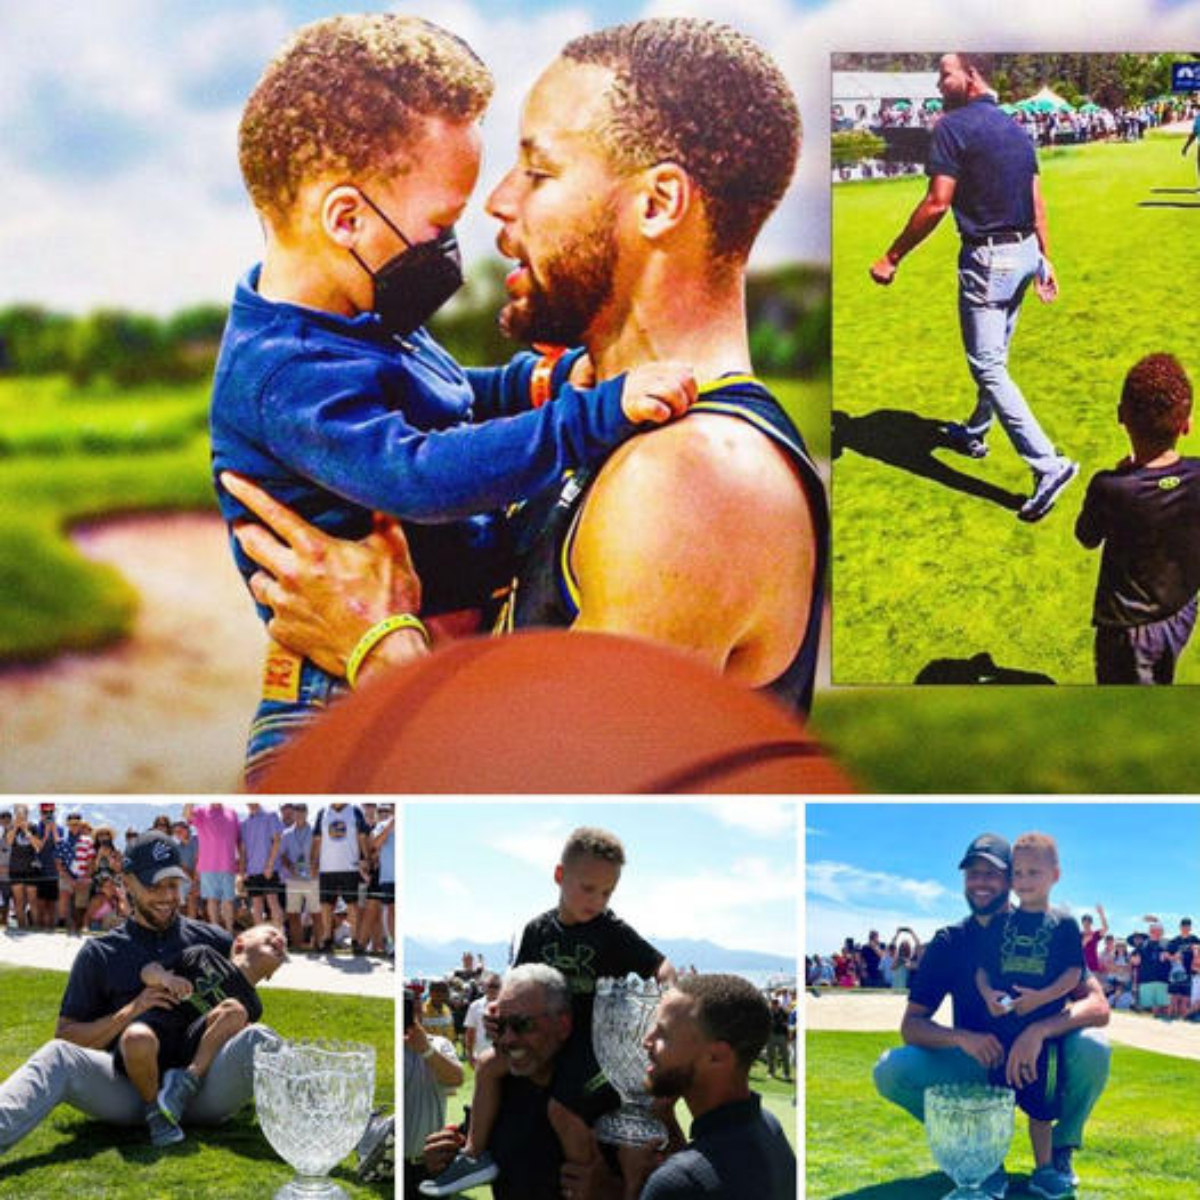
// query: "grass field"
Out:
[777,1095]
[1141,1139]
[70,1156]
[929,560]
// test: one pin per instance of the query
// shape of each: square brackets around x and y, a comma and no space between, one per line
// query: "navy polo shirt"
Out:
[737,1152]
[106,973]
[992,162]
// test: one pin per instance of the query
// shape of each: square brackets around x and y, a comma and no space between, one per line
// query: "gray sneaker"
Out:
[162,1132]
[464,1172]
[178,1088]
[1047,491]
[1063,1165]
[1050,1184]
[996,1184]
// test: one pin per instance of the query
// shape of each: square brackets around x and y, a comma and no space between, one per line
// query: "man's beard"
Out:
[578,284]
[148,916]
[989,909]
[671,1081]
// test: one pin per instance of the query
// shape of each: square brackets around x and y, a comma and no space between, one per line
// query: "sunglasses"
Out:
[519,1025]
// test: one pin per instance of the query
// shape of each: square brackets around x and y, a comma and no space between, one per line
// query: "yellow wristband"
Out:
[375,635]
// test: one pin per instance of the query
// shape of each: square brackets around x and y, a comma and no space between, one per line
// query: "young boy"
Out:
[1146,511]
[216,998]
[585,941]
[1031,960]
[359,148]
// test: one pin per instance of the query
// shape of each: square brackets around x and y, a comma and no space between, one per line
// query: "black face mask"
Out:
[413,285]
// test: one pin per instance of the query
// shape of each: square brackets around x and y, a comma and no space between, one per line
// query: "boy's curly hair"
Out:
[704,96]
[1156,398]
[343,95]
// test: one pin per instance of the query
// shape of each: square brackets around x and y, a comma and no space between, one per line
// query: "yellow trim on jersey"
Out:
[711,385]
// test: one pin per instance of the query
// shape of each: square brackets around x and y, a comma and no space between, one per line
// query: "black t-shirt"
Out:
[871,957]
[1154,966]
[948,964]
[1149,521]
[1187,945]
[992,162]
[214,978]
[603,946]
[524,1144]
[107,970]
[1031,949]
[737,1152]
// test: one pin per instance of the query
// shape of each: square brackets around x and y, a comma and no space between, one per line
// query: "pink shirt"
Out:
[217,827]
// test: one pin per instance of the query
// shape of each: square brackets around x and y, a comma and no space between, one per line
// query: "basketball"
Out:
[550,711]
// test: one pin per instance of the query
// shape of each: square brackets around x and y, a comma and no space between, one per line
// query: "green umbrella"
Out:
[901,104]
[1009,108]
[1089,107]
[933,103]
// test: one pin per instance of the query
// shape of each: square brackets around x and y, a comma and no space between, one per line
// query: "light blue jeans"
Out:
[903,1074]
[992,281]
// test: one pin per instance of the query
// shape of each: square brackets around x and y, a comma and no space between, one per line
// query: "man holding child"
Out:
[971,1048]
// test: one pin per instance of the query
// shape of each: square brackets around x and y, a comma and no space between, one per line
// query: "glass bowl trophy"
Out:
[969,1126]
[622,1015]
[314,1101]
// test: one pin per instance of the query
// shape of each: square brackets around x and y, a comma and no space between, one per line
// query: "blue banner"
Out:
[1185,77]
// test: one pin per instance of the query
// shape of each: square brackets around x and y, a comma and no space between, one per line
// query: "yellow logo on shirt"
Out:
[1169,482]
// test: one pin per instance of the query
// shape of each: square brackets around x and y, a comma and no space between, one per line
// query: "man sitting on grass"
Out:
[216,999]
[105,994]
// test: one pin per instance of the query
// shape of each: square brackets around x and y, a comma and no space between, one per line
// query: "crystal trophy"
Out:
[622,1015]
[969,1127]
[314,1102]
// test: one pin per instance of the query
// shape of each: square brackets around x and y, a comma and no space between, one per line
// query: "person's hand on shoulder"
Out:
[655,392]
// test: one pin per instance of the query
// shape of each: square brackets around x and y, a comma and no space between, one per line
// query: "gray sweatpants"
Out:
[64,1073]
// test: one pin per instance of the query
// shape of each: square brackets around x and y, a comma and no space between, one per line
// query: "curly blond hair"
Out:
[343,95]
[704,96]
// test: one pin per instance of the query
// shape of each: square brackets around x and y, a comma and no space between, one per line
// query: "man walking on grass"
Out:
[982,165]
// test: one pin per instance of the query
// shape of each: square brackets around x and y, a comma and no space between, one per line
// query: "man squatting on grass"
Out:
[105,995]
[966,1051]
[651,155]
[982,165]
[1146,511]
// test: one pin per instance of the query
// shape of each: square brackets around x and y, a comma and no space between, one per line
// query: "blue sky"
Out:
[877,866]
[119,118]
[723,871]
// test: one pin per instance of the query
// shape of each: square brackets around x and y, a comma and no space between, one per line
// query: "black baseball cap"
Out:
[992,848]
[153,857]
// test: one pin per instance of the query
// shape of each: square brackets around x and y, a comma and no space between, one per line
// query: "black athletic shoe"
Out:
[377,1150]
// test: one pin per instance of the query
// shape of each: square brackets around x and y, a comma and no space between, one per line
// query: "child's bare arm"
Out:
[1031,998]
[991,996]
[156,975]
[666,974]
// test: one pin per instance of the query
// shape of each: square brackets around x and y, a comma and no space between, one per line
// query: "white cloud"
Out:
[848,884]
[765,818]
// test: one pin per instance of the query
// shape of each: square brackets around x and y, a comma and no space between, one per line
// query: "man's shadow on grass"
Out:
[1173,191]
[905,440]
[932,1186]
[978,669]
[1170,203]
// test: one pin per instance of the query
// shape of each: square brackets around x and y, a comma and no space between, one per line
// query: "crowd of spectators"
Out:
[1146,971]
[452,1007]
[250,867]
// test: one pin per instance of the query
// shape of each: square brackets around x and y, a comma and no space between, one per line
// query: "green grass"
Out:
[777,1096]
[69,1155]
[929,560]
[1141,1139]
[69,455]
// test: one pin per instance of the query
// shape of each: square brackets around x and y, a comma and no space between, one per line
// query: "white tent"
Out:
[871,90]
